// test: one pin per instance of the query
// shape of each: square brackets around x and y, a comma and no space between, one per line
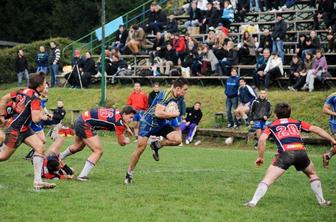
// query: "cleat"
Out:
[155,146]
[43,185]
[326,203]
[128,179]
[249,205]
[325,160]
[82,179]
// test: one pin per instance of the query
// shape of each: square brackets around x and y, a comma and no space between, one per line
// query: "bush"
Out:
[8,55]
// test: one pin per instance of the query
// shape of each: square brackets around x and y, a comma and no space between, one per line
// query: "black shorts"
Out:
[83,130]
[164,131]
[298,158]
[14,138]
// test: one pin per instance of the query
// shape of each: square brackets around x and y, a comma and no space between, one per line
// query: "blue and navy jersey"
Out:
[331,101]
[287,133]
[163,98]
[104,119]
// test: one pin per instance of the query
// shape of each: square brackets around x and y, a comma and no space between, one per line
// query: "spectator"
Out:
[53,61]
[300,80]
[21,68]
[76,73]
[191,122]
[287,4]
[331,42]
[278,36]
[309,60]
[139,101]
[301,45]
[319,67]
[254,5]
[247,46]
[326,13]
[88,69]
[121,37]
[273,70]
[168,59]
[231,93]
[42,60]
[228,14]
[211,37]
[246,95]
[260,113]
[313,43]
[172,25]
[195,16]
[265,41]
[159,21]
[259,73]
[296,67]
[154,93]
[242,8]
[209,60]
[211,16]
[229,59]
[136,39]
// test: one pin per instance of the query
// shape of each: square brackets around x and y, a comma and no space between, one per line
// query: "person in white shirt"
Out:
[273,70]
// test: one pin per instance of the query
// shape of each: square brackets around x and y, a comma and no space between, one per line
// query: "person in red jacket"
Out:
[139,101]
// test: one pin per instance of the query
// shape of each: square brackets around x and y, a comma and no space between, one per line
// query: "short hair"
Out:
[52,164]
[180,82]
[36,79]
[242,79]
[197,102]
[156,84]
[128,110]
[282,110]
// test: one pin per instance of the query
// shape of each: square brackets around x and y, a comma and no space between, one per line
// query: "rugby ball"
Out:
[171,107]
[229,140]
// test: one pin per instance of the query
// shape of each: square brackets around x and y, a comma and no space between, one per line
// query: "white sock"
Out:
[38,164]
[259,193]
[317,189]
[87,168]
[65,153]
[130,172]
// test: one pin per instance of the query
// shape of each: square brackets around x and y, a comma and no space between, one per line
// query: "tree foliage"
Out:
[29,20]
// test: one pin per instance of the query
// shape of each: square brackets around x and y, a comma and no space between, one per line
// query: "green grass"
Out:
[188,184]
[306,106]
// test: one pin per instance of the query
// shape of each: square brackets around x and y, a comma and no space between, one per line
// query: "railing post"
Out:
[91,43]
[143,14]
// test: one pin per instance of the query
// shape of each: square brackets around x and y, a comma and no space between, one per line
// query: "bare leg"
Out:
[315,184]
[142,144]
[272,174]
[173,139]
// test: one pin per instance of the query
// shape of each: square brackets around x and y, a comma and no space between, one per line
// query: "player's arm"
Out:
[4,100]
[162,114]
[327,110]
[261,149]
[322,133]
[123,140]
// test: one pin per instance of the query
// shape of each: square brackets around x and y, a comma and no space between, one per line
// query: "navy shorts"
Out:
[259,124]
[36,127]
[83,130]
[146,130]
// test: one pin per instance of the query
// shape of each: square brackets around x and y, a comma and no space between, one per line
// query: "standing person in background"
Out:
[42,60]
[260,113]
[53,61]
[278,36]
[193,117]
[21,68]
[231,93]
[246,95]
[154,93]
[139,101]
[88,68]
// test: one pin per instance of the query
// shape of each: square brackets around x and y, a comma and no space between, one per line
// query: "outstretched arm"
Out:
[322,133]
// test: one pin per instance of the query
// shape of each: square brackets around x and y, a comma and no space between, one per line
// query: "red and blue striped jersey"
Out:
[26,100]
[104,119]
[287,133]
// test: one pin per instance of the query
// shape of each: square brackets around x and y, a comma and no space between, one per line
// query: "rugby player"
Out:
[157,122]
[329,108]
[291,151]
[85,130]
[27,109]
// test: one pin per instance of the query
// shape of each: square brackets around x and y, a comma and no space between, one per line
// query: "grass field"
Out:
[189,183]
